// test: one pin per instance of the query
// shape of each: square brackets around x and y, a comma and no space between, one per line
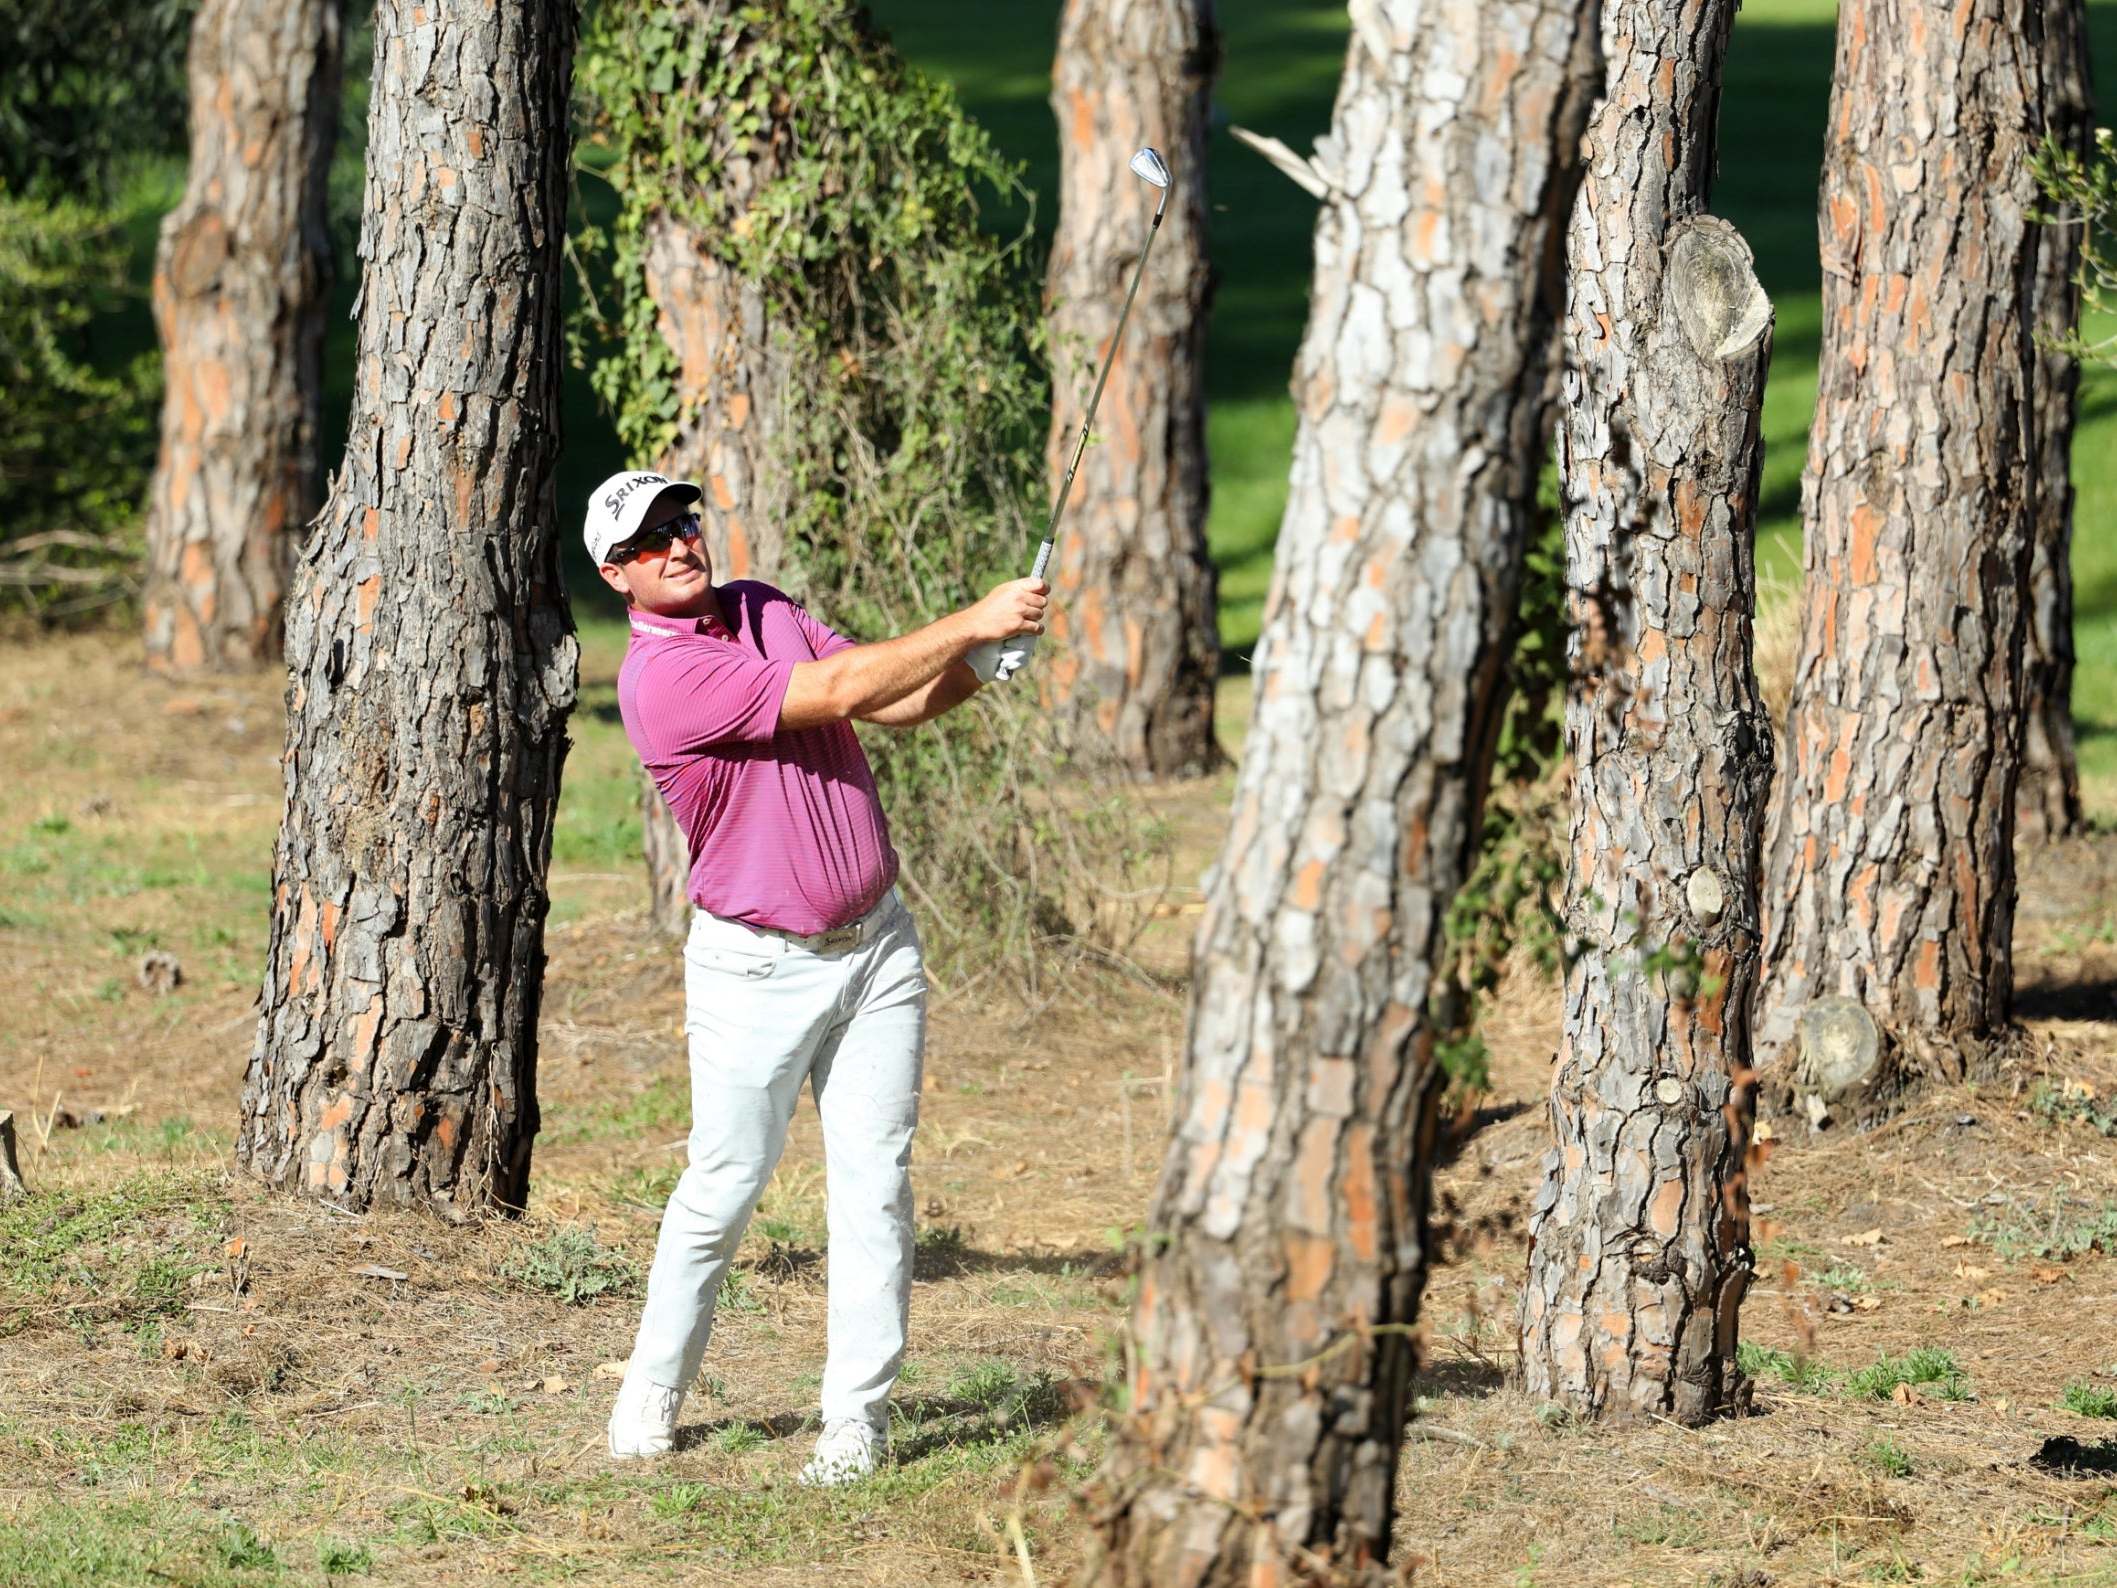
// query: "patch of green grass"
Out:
[643,1187]
[1803,1373]
[1888,1457]
[2066,1105]
[737,1294]
[679,1499]
[738,1439]
[134,1242]
[1670,1526]
[335,1558]
[489,1403]
[104,1545]
[2061,1226]
[570,1263]
[1930,1371]
[659,1109]
[2090,1400]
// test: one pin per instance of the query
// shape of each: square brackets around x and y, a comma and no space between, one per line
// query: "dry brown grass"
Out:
[448,1424]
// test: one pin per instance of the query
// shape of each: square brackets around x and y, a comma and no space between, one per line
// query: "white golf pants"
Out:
[762,1015]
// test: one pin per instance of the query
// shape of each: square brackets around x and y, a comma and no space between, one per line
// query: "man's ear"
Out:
[615,578]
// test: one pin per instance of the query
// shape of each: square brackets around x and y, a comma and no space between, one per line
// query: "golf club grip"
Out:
[1043,561]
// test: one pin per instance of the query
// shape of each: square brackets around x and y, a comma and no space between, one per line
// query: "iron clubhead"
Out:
[1147,165]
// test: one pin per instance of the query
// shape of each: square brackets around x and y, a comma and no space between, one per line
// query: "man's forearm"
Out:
[956,684]
[869,678]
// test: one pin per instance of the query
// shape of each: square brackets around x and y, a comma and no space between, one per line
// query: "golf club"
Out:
[1147,165]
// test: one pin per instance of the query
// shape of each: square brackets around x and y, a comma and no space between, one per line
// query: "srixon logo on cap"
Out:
[616,498]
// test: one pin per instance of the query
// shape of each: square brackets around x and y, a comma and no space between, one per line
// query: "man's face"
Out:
[676,581]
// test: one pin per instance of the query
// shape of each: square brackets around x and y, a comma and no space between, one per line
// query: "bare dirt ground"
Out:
[203,1384]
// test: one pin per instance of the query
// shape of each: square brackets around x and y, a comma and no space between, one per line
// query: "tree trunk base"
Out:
[11,1185]
[1805,1101]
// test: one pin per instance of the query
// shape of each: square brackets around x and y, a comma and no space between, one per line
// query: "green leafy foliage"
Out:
[78,444]
[2061,1226]
[2090,1400]
[570,1263]
[1506,907]
[88,88]
[2083,194]
[907,418]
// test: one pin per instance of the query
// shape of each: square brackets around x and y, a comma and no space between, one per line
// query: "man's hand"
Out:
[1016,607]
[1002,655]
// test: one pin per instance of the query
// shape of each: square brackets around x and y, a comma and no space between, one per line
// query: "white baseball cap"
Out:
[621,503]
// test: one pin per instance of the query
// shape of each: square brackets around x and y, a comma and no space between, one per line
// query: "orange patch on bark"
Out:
[475,138]
[738,550]
[335,1116]
[299,957]
[195,574]
[1690,508]
[365,595]
[1663,1210]
[1346,527]
[1860,893]
[446,410]
[1395,420]
[737,409]
[210,380]
[723,493]
[1653,645]
[1926,975]
[1362,1233]
[404,451]
[1866,533]
[445,1132]
[370,525]
[1422,236]
[1309,1261]
[331,913]
[1082,109]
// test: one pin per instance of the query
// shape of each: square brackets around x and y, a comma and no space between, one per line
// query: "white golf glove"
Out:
[1001,659]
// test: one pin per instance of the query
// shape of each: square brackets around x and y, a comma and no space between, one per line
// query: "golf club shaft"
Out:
[1043,554]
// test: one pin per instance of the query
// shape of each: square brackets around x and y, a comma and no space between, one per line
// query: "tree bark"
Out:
[730,385]
[240,283]
[1639,1239]
[431,653]
[2047,804]
[1891,871]
[1137,652]
[1273,1362]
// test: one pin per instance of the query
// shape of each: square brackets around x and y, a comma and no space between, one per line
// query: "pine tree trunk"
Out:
[2048,802]
[1288,1247]
[729,387]
[1890,879]
[1639,1252]
[1136,653]
[240,284]
[431,652]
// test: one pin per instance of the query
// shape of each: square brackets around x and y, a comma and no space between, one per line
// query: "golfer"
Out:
[802,962]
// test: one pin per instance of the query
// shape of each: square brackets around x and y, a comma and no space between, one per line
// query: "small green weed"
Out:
[2090,1400]
[737,1294]
[2061,1226]
[1797,1372]
[1670,1526]
[336,1559]
[242,1550]
[1887,1457]
[1935,1372]
[2073,1104]
[570,1263]
[679,1499]
[739,1439]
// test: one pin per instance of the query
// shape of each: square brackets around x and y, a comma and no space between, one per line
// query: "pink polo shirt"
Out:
[785,828]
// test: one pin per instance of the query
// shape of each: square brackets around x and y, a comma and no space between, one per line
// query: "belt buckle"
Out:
[838,937]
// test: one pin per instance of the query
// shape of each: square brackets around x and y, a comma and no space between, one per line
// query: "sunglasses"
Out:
[657,539]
